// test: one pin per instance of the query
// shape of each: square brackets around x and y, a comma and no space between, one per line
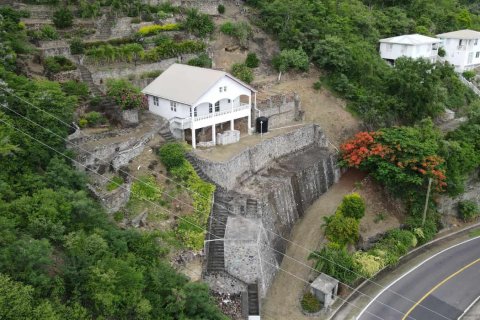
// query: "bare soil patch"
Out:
[381,213]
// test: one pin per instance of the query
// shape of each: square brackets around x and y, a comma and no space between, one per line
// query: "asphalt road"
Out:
[438,289]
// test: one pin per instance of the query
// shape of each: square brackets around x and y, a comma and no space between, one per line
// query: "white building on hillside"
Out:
[200,103]
[411,45]
[462,48]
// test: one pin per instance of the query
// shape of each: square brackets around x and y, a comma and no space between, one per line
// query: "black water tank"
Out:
[262,124]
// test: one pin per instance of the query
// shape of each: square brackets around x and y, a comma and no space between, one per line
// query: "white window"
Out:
[173,106]
[210,108]
[476,42]
[389,47]
[220,89]
[155,101]
[195,111]
[225,88]
[477,55]
[229,101]
[217,106]
[460,42]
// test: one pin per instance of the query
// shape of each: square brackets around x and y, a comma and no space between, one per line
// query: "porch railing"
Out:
[186,123]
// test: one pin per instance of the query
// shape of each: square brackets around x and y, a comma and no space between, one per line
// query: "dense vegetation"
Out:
[60,255]
[341,37]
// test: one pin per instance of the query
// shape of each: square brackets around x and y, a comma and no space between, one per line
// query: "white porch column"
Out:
[194,143]
[232,120]
[214,134]
[249,126]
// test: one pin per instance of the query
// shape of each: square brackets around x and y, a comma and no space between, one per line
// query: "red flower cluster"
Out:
[361,147]
[365,145]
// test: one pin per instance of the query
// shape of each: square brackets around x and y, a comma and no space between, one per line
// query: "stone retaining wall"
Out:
[232,172]
[123,71]
[279,109]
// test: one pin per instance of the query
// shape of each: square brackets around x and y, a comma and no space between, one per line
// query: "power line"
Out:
[62,154]
[9,91]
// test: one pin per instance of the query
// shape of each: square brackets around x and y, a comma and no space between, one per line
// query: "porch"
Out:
[211,123]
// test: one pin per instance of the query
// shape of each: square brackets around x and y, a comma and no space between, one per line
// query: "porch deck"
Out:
[222,153]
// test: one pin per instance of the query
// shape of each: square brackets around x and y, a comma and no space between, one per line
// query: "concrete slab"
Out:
[223,153]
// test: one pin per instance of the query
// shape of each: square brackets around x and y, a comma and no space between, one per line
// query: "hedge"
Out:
[156,28]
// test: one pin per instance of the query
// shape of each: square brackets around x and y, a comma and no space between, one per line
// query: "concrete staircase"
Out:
[253,301]
[251,207]
[87,78]
[106,28]
[216,253]
[167,135]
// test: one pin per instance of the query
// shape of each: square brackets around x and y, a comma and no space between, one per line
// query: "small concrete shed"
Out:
[325,289]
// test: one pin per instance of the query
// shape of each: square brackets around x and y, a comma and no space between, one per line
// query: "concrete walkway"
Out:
[282,300]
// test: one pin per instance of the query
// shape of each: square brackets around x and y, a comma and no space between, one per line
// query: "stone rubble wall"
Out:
[54,48]
[279,109]
[447,205]
[123,71]
[232,172]
[115,200]
[284,175]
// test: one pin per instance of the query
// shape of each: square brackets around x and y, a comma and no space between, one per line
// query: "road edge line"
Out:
[411,270]
[361,285]
[468,308]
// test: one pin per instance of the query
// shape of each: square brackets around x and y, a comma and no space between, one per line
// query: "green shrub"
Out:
[146,189]
[203,60]
[317,85]
[441,52]
[151,74]
[469,75]
[125,94]
[310,303]
[239,30]
[58,64]
[94,118]
[82,123]
[136,20]
[291,59]
[221,9]
[156,28]
[252,60]
[114,183]
[63,18]
[49,33]
[242,72]
[467,210]
[198,23]
[77,46]
[335,261]
[393,245]
[74,88]
[369,263]
[118,216]
[172,155]
[227,28]
[424,233]
[340,229]
[352,206]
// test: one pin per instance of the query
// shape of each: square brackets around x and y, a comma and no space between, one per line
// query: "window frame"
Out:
[156,101]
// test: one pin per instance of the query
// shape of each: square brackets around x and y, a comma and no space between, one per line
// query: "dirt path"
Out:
[282,300]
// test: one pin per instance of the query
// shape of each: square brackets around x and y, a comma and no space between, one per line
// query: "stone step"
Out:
[253,305]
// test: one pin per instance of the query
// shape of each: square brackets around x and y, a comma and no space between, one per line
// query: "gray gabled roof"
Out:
[410,39]
[460,34]
[186,84]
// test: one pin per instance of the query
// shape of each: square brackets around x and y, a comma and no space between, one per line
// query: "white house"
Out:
[411,45]
[200,103]
[462,48]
